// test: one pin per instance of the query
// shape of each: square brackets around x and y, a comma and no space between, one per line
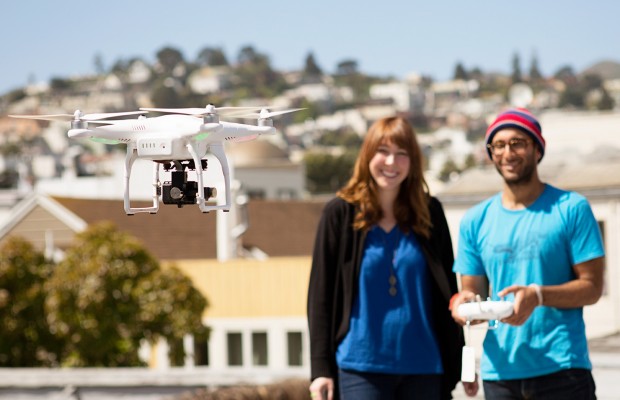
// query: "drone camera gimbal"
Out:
[179,190]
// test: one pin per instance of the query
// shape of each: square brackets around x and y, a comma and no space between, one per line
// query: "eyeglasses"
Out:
[515,144]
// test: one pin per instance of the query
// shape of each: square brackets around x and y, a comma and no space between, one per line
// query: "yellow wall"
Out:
[276,287]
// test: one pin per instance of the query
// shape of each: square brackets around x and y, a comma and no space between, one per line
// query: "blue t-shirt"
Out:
[539,244]
[391,334]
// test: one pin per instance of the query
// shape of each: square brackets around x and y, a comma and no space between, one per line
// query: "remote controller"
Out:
[486,310]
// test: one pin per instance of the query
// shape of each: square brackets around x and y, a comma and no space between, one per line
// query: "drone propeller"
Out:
[77,116]
[264,113]
[209,109]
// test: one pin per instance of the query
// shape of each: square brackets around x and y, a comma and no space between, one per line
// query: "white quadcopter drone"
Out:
[178,141]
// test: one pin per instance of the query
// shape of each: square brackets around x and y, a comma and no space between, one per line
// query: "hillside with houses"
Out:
[316,146]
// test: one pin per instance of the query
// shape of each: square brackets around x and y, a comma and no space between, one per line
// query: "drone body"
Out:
[177,142]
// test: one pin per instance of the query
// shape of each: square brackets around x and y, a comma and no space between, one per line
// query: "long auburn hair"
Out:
[411,205]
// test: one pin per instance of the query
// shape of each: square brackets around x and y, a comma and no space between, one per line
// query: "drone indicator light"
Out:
[105,141]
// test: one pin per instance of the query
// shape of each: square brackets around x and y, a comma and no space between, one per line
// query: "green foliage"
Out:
[606,102]
[448,169]
[59,84]
[109,294]
[212,56]
[535,74]
[346,138]
[311,70]
[255,77]
[166,96]
[169,58]
[347,67]
[26,340]
[15,95]
[516,69]
[310,111]
[326,173]
[460,72]
[9,178]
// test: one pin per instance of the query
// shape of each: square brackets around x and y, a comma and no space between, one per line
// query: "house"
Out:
[210,79]
[405,95]
[257,307]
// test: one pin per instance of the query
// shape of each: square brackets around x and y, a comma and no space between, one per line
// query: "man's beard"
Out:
[523,178]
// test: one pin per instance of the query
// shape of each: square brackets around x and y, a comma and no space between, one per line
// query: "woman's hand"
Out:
[322,388]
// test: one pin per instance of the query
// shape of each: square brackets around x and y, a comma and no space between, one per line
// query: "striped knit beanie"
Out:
[521,119]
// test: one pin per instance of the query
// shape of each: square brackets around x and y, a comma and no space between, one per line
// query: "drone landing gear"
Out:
[130,158]
[179,190]
[218,151]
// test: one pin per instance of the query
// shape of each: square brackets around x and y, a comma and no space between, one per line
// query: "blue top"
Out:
[539,244]
[391,334]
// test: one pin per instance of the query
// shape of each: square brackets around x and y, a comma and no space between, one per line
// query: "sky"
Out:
[59,39]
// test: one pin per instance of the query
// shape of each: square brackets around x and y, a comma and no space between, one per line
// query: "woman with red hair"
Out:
[382,279]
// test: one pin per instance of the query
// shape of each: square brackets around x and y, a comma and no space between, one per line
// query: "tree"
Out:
[98,63]
[535,75]
[309,110]
[347,67]
[347,75]
[460,72]
[448,170]
[169,58]
[516,69]
[606,102]
[311,69]
[164,95]
[592,82]
[26,337]
[212,56]
[255,76]
[248,55]
[109,294]
[60,84]
[566,75]
[326,173]
[343,137]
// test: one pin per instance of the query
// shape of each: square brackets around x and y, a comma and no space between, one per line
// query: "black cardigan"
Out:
[334,281]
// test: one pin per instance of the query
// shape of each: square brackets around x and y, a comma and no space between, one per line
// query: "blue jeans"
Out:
[356,385]
[574,384]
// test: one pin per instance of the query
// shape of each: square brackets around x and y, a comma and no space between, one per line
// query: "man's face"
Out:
[517,159]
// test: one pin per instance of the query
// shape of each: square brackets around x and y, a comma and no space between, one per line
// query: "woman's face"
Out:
[389,167]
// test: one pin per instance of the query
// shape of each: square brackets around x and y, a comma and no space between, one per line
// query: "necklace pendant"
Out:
[392,280]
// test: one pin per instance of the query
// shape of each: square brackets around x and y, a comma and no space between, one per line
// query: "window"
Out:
[256,194]
[201,351]
[259,348]
[295,358]
[286,194]
[235,349]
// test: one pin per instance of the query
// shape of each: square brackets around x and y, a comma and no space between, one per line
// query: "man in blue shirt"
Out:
[539,247]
